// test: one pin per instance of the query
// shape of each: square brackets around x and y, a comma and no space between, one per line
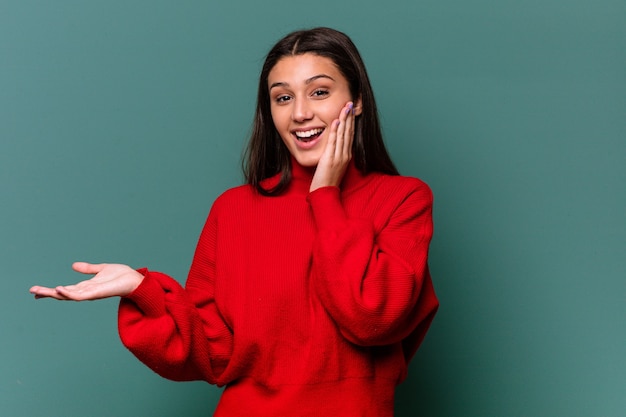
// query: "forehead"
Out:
[299,68]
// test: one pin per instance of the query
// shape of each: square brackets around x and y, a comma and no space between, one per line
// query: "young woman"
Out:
[309,291]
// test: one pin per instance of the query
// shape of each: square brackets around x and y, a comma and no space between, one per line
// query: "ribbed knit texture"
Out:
[305,304]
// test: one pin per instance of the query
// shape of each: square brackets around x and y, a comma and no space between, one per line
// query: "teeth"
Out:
[309,133]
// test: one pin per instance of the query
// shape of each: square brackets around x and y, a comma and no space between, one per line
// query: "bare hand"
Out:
[111,280]
[338,151]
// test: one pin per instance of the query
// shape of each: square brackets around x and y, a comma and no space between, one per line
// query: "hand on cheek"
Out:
[338,151]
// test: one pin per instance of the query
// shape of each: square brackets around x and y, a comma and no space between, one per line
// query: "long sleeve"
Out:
[374,279]
[178,332]
[312,302]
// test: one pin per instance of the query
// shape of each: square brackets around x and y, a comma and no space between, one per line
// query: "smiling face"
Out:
[307,93]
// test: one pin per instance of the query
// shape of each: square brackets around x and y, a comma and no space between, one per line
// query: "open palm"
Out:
[110,280]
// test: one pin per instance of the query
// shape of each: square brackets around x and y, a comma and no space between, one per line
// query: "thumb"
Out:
[87,268]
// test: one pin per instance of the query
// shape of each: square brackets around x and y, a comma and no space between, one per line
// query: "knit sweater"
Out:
[303,304]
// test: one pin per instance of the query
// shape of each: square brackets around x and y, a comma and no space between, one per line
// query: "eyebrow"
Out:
[307,81]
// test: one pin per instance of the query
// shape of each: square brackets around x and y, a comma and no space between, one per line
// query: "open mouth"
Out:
[308,135]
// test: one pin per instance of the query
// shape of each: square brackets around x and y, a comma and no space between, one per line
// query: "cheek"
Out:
[279,118]
[333,111]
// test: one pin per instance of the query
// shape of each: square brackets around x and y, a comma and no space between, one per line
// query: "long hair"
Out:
[267,155]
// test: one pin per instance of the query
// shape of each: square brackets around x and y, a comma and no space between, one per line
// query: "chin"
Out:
[306,161]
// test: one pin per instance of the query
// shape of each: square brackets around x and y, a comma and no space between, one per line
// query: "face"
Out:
[307,93]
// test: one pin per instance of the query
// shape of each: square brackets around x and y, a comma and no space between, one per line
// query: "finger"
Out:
[55,296]
[349,133]
[329,150]
[45,292]
[71,293]
[41,291]
[341,130]
[87,268]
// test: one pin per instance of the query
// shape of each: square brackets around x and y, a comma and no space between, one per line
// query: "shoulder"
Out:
[233,198]
[402,187]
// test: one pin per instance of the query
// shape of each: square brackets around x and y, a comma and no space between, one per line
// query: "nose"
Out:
[301,111]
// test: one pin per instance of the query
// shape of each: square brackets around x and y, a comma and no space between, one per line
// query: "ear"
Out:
[358,106]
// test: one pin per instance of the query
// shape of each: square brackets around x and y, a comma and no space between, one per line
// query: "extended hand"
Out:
[111,280]
[338,151]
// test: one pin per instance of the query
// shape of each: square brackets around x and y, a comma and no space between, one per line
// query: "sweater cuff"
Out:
[148,296]
[327,208]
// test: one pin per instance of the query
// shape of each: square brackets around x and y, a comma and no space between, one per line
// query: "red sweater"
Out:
[305,304]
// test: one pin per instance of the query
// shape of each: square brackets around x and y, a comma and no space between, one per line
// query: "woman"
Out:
[309,291]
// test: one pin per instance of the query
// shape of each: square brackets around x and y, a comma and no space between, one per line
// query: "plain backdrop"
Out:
[122,121]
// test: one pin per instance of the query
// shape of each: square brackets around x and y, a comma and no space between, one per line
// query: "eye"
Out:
[320,93]
[282,99]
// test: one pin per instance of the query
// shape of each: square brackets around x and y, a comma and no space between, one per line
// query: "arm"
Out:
[157,320]
[376,287]
[179,333]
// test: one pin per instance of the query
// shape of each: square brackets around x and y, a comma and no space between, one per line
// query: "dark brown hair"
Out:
[267,155]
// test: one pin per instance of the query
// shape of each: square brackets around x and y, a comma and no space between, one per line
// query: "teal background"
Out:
[121,122]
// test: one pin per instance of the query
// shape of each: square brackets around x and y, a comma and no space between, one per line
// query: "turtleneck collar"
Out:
[301,178]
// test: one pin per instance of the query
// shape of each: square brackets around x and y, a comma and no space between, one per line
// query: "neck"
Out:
[301,177]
